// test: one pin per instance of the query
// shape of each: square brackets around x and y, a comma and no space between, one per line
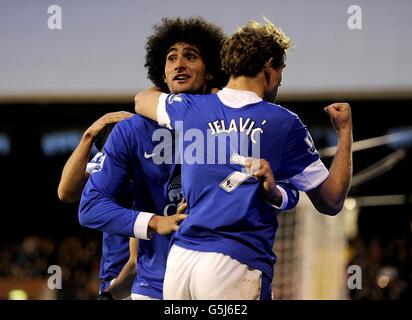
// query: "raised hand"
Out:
[340,115]
[108,118]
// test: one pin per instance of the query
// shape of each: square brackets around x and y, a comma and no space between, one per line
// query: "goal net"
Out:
[311,250]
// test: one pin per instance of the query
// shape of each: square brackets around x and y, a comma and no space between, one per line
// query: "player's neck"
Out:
[255,84]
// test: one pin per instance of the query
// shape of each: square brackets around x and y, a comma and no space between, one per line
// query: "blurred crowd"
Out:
[386,266]
[77,257]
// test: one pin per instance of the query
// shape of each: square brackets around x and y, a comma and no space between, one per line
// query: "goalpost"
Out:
[312,248]
[312,253]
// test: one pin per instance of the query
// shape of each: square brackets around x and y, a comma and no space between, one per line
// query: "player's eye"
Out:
[172,58]
[191,57]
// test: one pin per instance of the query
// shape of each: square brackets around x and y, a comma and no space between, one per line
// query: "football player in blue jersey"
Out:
[223,250]
[115,259]
[129,153]
[182,56]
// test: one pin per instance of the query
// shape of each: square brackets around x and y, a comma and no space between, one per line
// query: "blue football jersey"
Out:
[227,212]
[115,253]
[130,153]
[115,249]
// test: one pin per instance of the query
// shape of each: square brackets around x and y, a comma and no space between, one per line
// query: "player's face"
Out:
[185,70]
[273,84]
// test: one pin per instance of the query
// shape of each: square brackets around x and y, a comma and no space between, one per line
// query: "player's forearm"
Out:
[97,211]
[146,103]
[290,195]
[332,192]
[74,175]
[122,286]
[274,196]
[341,169]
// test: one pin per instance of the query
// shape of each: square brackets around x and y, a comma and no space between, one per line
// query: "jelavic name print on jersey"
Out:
[212,146]
[219,126]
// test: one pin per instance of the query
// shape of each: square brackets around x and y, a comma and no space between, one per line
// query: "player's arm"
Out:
[99,206]
[100,211]
[166,109]
[146,102]
[281,195]
[303,168]
[329,196]
[261,170]
[290,195]
[74,175]
[122,285]
[167,224]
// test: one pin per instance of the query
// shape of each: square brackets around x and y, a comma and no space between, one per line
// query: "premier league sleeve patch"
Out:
[96,164]
[174,97]
[309,141]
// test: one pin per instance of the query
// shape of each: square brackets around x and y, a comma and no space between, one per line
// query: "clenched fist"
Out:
[340,115]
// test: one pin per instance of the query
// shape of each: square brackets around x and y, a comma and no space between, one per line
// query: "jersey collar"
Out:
[237,98]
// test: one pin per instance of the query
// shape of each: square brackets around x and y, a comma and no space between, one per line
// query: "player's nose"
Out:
[180,63]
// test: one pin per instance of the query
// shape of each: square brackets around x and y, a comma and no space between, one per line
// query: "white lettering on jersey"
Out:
[247,126]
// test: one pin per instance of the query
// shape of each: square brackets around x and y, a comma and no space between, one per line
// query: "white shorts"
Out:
[195,275]
[136,296]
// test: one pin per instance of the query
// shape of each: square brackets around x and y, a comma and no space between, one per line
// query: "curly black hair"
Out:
[205,36]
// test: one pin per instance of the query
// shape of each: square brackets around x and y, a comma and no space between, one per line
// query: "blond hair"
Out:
[245,52]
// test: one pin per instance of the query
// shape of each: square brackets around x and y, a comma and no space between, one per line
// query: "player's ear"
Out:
[164,78]
[268,65]
[267,70]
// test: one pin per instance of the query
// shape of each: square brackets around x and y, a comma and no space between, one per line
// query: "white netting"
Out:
[311,251]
